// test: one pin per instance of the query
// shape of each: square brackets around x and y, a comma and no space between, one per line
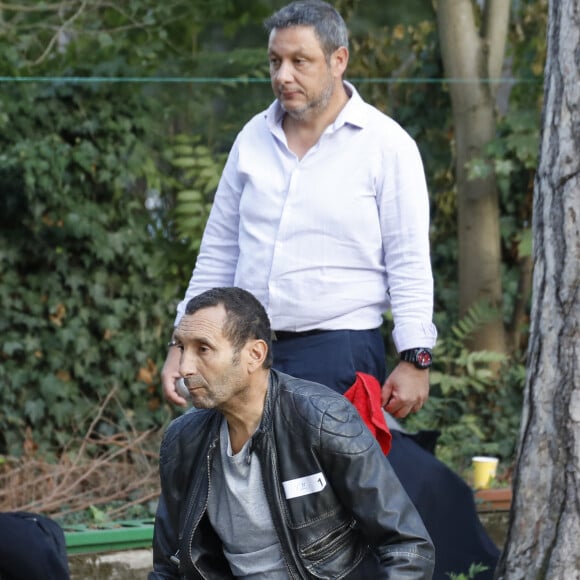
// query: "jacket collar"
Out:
[271,396]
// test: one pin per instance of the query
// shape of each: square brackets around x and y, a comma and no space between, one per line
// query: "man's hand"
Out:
[405,390]
[170,374]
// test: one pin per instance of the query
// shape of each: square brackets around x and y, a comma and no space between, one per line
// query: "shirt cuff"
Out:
[414,335]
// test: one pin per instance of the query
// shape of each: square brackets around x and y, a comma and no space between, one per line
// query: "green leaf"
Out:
[11,347]
[97,516]
[34,410]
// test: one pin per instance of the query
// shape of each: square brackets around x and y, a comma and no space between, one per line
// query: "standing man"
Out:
[271,476]
[322,213]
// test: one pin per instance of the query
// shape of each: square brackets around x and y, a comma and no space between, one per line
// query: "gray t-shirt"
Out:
[239,512]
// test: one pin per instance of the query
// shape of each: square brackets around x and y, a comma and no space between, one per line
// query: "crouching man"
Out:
[272,477]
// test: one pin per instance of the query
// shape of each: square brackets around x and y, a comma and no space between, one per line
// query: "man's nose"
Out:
[285,72]
[187,364]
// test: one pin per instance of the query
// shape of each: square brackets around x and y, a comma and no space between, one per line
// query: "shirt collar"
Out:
[354,112]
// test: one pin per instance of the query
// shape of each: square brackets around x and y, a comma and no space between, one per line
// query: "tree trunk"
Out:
[544,533]
[470,58]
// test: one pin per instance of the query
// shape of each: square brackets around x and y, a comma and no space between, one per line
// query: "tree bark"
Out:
[470,58]
[544,530]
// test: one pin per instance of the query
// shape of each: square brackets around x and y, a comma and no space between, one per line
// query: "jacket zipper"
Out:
[190,507]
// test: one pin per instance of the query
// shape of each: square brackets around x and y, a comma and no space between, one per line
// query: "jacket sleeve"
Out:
[165,534]
[366,484]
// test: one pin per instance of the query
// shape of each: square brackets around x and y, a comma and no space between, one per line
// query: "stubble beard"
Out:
[205,397]
[313,107]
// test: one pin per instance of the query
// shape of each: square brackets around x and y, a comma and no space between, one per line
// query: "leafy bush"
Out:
[85,291]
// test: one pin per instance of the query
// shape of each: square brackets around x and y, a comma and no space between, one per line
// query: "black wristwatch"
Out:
[420,357]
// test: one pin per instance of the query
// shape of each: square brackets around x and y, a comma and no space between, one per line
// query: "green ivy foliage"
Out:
[83,281]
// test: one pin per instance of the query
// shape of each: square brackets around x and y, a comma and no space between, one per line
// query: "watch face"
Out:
[423,358]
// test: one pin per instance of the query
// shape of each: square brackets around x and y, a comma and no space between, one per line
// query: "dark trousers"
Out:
[444,501]
[332,358]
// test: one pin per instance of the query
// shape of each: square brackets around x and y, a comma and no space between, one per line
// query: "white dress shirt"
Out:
[329,241]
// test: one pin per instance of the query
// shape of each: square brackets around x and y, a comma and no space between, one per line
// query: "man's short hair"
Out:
[246,318]
[328,24]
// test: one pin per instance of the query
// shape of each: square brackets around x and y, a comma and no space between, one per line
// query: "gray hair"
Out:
[328,24]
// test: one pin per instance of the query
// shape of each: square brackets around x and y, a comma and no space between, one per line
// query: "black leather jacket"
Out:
[360,525]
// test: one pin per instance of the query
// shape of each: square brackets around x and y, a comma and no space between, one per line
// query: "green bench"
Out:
[109,537]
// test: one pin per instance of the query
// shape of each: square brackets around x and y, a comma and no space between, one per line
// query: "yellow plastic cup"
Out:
[484,470]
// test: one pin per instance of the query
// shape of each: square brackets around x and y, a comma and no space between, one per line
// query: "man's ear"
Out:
[257,350]
[339,61]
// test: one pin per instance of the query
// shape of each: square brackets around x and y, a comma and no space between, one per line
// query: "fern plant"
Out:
[475,400]
[198,171]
